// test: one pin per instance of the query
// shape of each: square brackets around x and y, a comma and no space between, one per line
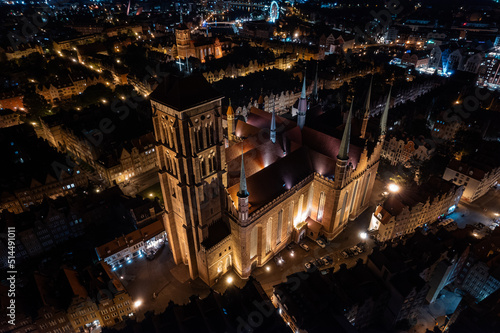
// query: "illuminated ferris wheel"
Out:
[274,11]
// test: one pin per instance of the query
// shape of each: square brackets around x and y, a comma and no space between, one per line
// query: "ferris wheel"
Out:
[274,11]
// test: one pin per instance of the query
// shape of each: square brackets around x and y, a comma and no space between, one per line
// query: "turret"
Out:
[366,115]
[230,122]
[302,109]
[243,193]
[273,125]
[343,155]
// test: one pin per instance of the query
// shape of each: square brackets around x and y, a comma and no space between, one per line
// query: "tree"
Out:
[36,105]
[124,90]
[98,93]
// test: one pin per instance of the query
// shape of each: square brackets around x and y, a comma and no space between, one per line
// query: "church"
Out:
[278,181]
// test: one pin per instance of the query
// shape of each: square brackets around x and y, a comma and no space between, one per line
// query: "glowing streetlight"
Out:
[394,188]
[150,194]
[363,235]
[229,280]
[268,268]
[138,303]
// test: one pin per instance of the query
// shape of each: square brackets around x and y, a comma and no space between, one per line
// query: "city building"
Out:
[245,309]
[116,161]
[65,88]
[33,170]
[12,99]
[202,48]
[345,301]
[446,127]
[69,44]
[9,118]
[400,150]
[21,50]
[406,288]
[476,176]
[314,180]
[134,245]
[413,207]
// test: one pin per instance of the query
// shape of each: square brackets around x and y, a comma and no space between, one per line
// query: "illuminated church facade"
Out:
[278,181]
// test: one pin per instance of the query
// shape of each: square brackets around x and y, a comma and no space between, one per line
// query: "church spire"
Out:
[303,94]
[366,115]
[243,192]
[273,124]
[302,108]
[383,119]
[344,145]
[368,99]
[315,88]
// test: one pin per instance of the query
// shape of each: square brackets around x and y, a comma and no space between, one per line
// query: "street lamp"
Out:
[394,188]
[138,303]
[363,235]
[229,280]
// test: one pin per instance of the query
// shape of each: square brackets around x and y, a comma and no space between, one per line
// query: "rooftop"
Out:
[182,93]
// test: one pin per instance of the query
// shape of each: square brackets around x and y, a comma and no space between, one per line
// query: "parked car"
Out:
[304,246]
[319,263]
[308,265]
[328,259]
[345,254]
[320,242]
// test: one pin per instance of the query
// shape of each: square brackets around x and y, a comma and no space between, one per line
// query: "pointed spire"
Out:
[344,145]
[303,94]
[315,88]
[230,111]
[368,99]
[273,125]
[383,119]
[243,192]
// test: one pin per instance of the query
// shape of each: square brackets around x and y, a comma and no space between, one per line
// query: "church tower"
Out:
[230,122]
[183,40]
[366,115]
[302,108]
[191,160]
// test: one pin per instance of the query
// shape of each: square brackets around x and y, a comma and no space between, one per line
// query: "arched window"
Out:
[366,189]
[253,242]
[321,206]
[353,196]
[269,233]
[280,226]
[343,208]
[299,209]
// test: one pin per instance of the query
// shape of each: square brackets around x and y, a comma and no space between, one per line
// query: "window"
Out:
[280,226]
[321,206]
[299,209]
[253,242]
[269,232]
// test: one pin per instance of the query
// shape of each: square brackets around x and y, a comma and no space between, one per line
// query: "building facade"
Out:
[218,213]
[401,213]
[477,180]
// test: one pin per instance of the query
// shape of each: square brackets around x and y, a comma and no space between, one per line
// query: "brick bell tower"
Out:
[190,151]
